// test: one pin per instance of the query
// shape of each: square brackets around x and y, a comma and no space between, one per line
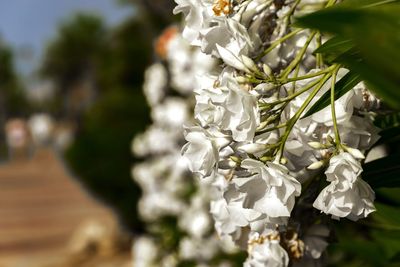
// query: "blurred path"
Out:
[40,208]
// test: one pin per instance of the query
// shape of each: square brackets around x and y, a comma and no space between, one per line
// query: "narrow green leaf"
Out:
[373,33]
[387,215]
[333,48]
[342,87]
[384,172]
[365,3]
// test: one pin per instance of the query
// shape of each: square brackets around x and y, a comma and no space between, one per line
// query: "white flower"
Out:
[196,219]
[209,108]
[230,107]
[156,140]
[202,149]
[154,83]
[233,219]
[144,252]
[343,168]
[241,115]
[228,40]
[347,195]
[359,132]
[198,249]
[271,188]
[173,112]
[267,254]
[159,203]
[196,13]
[185,64]
[315,240]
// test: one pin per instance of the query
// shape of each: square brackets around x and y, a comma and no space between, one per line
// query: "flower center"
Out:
[222,7]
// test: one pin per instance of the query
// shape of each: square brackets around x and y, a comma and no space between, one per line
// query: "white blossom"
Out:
[272,189]
[347,195]
[202,149]
[155,82]
[269,253]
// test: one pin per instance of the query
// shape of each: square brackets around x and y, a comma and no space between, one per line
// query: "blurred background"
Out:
[71,74]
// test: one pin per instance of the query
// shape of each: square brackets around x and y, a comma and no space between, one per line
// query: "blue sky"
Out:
[30,23]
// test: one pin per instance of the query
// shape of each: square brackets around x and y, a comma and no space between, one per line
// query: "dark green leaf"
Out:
[388,216]
[389,135]
[387,120]
[333,48]
[372,32]
[365,3]
[342,87]
[384,172]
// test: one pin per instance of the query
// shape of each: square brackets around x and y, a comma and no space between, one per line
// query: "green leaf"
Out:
[333,48]
[341,87]
[389,135]
[387,120]
[366,3]
[372,32]
[384,172]
[387,216]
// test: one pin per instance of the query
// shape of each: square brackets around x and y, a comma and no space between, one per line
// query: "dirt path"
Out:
[40,208]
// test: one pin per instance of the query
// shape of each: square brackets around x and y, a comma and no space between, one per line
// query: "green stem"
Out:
[311,75]
[333,109]
[271,129]
[298,57]
[319,59]
[293,96]
[278,42]
[298,114]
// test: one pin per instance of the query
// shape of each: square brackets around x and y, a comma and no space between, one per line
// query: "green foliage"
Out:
[101,155]
[12,98]
[75,52]
[384,172]
[341,88]
[113,60]
[366,40]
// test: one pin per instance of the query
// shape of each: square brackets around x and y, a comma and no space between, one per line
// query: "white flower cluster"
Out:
[167,185]
[252,138]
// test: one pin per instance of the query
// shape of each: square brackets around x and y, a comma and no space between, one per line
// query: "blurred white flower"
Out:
[268,253]
[173,112]
[144,252]
[196,13]
[155,81]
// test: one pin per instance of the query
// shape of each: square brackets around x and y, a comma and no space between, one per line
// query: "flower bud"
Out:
[354,152]
[329,140]
[265,88]
[241,79]
[316,145]
[316,165]
[227,164]
[252,148]
[249,63]
[267,70]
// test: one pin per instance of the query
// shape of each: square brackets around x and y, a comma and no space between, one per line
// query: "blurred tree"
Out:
[72,61]
[12,97]
[13,102]
[114,62]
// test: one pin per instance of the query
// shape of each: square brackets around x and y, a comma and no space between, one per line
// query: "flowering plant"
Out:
[283,128]
[174,206]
